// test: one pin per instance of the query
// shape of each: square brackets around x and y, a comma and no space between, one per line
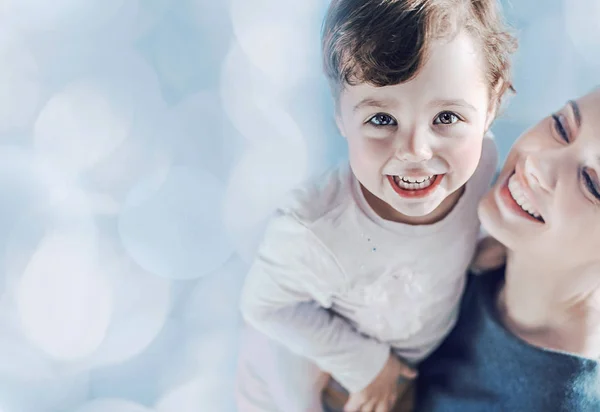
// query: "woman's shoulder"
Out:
[484,285]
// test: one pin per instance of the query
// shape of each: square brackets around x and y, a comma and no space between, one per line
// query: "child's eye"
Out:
[382,119]
[446,118]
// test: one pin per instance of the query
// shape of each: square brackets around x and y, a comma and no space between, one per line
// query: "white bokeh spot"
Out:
[64,302]
[548,73]
[209,301]
[58,393]
[172,225]
[244,90]
[209,386]
[141,306]
[64,15]
[202,394]
[82,125]
[27,183]
[283,163]
[19,82]
[583,28]
[279,38]
[112,405]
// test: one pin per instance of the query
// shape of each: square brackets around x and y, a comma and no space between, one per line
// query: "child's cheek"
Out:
[371,149]
[466,157]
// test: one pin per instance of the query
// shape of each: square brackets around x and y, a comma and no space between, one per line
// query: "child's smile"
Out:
[415,187]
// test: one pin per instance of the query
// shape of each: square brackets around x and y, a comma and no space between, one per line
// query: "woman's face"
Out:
[546,201]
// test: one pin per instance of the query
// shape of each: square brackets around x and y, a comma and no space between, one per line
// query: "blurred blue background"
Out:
[143,144]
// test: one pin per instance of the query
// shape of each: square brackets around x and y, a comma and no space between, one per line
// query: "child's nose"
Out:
[414,148]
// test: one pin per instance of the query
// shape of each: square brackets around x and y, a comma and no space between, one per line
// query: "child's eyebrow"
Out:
[453,102]
[371,102]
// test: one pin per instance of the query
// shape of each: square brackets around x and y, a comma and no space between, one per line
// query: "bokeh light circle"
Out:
[64,303]
[260,182]
[112,405]
[20,84]
[83,124]
[172,225]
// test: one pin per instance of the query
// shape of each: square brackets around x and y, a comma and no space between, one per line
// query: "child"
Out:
[360,276]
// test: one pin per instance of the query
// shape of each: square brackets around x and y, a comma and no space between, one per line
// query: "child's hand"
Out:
[381,394]
[490,254]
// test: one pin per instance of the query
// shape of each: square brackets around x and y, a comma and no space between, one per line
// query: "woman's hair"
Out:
[385,42]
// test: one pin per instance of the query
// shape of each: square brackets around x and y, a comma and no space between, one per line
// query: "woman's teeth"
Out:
[414,183]
[517,193]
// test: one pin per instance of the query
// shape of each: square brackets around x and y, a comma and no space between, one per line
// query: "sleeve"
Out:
[287,296]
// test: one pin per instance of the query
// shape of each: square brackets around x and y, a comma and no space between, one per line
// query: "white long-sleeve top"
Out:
[339,285]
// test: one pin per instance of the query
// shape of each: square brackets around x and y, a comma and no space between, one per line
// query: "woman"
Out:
[528,336]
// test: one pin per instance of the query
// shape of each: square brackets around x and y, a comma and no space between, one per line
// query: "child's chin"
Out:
[416,209]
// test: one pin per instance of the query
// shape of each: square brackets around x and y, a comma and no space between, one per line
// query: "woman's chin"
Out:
[491,218]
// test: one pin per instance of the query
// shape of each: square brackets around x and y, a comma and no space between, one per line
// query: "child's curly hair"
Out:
[385,42]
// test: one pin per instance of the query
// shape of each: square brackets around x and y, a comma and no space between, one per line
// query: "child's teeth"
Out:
[415,179]
[413,183]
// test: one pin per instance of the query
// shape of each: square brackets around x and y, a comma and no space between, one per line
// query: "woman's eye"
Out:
[382,119]
[559,126]
[446,118]
[590,185]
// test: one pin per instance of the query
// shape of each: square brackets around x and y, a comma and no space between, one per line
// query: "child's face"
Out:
[429,129]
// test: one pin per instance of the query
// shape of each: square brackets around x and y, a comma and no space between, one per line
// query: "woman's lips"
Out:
[518,200]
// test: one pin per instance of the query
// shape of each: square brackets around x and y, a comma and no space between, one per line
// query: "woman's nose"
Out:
[540,171]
